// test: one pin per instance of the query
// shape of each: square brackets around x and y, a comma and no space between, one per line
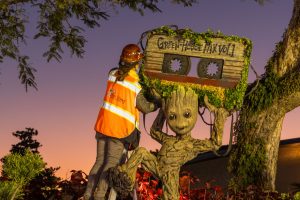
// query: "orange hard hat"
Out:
[131,53]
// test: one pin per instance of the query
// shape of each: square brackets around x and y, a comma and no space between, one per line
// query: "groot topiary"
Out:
[180,111]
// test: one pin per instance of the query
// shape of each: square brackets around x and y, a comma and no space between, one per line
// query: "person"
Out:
[117,123]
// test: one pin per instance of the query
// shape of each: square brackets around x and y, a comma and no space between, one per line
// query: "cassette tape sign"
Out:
[169,58]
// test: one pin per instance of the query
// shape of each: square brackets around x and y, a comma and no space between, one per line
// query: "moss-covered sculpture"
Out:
[229,98]
[180,111]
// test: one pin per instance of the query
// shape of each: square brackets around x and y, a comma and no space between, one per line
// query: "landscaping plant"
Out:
[19,170]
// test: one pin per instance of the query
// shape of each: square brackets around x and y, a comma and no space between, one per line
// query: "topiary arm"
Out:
[220,115]
[156,129]
[201,146]
[143,105]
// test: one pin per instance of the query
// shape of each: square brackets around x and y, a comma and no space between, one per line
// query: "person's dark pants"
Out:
[109,154]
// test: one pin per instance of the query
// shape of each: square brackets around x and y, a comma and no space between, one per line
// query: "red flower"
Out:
[146,175]
[183,197]
[154,183]
[159,192]
[217,188]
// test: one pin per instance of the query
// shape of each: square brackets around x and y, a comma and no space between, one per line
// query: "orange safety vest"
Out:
[118,116]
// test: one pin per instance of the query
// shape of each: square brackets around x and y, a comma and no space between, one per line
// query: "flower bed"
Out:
[192,188]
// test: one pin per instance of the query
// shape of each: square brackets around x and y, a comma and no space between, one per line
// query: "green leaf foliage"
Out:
[8,190]
[272,87]
[19,170]
[44,185]
[22,168]
[297,196]
[63,22]
[251,157]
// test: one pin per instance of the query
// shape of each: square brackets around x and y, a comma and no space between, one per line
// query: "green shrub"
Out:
[7,189]
[19,170]
[297,196]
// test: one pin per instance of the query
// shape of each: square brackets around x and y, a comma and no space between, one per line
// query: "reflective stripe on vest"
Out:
[119,111]
[128,84]
[118,116]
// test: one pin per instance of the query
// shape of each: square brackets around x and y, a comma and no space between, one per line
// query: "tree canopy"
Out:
[58,21]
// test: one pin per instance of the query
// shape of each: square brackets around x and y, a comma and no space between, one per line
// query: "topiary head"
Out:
[181,110]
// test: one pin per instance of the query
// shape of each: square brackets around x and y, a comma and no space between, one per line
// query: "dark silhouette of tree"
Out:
[27,141]
[43,186]
[62,22]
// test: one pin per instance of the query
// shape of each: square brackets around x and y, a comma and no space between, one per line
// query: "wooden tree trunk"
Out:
[269,174]
[254,160]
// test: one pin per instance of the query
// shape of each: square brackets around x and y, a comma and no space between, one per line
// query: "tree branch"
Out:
[289,88]
[287,52]
[291,102]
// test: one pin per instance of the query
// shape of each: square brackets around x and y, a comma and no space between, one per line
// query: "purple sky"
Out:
[65,107]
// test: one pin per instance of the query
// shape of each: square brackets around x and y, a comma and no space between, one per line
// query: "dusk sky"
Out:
[65,107]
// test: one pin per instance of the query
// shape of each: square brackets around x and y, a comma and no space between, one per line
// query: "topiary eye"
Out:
[172,117]
[187,114]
